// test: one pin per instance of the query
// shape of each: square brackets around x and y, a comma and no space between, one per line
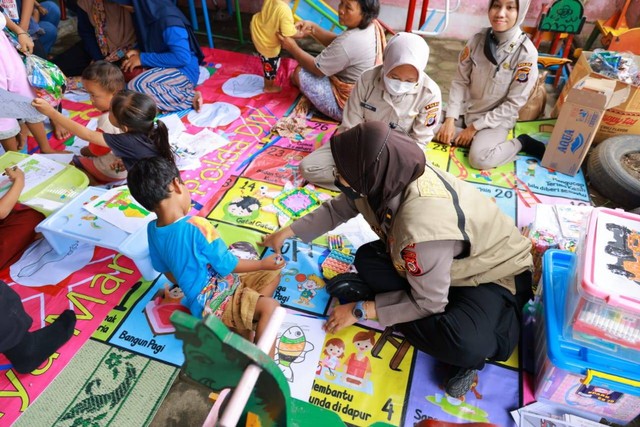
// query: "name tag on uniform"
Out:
[368,106]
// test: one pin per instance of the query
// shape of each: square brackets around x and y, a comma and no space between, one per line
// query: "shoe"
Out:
[349,287]
[460,382]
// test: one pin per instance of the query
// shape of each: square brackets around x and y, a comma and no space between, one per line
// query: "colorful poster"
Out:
[140,322]
[297,351]
[244,203]
[118,207]
[91,292]
[276,165]
[354,378]
[494,393]
[243,242]
[302,286]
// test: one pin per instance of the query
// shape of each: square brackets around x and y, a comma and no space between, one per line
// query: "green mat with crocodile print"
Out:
[102,386]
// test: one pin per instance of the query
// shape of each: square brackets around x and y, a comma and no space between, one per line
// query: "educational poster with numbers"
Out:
[243,205]
[302,286]
[355,378]
[277,165]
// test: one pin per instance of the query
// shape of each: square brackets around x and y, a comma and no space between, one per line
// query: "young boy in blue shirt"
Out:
[191,253]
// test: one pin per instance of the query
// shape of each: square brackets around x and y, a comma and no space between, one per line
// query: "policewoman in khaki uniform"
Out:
[398,92]
[450,271]
[497,71]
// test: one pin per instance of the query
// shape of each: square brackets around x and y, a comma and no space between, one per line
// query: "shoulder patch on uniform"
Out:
[432,117]
[522,74]
[411,263]
[430,185]
[432,105]
[206,228]
[465,53]
[524,64]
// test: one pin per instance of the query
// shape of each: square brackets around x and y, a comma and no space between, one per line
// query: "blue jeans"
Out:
[49,23]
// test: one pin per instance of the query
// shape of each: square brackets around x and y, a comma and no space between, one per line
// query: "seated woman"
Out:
[106,33]
[44,31]
[496,73]
[397,92]
[455,285]
[169,47]
[327,79]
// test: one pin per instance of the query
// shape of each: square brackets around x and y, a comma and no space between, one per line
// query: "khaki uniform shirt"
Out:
[489,95]
[467,241]
[417,114]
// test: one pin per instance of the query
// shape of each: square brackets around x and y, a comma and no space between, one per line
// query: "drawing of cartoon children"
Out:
[358,365]
[334,351]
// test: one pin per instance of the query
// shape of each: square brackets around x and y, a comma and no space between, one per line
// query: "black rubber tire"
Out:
[608,175]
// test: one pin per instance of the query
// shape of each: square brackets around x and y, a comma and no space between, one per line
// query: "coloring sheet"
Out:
[298,346]
[119,208]
[37,169]
[17,106]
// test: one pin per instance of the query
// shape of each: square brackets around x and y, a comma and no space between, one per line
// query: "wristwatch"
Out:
[359,312]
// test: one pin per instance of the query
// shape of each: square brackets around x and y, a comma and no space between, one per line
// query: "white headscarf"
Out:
[516,30]
[406,49]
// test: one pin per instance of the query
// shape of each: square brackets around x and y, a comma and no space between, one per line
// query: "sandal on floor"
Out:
[349,287]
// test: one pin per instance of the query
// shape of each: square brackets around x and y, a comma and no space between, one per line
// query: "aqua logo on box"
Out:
[567,141]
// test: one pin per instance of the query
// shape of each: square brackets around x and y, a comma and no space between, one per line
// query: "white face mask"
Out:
[397,87]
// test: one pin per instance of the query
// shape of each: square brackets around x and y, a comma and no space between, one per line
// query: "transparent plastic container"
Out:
[603,300]
[586,381]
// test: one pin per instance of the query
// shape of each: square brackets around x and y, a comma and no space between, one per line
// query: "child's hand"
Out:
[117,166]
[272,262]
[26,43]
[43,106]
[14,174]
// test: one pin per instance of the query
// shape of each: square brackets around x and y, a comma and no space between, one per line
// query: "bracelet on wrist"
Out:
[24,32]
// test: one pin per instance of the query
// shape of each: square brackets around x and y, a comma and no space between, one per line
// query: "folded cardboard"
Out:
[579,120]
[619,120]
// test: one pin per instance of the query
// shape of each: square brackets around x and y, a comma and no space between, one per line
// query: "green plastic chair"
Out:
[218,359]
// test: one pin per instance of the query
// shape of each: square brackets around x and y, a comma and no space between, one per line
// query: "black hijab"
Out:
[378,162]
[152,17]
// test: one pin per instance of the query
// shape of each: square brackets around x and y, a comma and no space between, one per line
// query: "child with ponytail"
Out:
[135,114]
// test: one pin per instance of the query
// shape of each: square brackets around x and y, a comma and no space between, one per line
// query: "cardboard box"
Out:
[579,120]
[621,120]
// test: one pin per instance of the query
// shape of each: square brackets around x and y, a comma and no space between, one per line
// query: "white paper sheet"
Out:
[17,106]
[119,208]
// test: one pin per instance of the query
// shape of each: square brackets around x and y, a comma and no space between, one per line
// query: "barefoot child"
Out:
[191,253]
[274,18]
[135,114]
[102,80]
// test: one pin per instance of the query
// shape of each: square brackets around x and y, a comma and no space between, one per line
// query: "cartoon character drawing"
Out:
[158,311]
[244,250]
[243,207]
[358,366]
[484,174]
[307,287]
[333,351]
[291,347]
[531,168]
